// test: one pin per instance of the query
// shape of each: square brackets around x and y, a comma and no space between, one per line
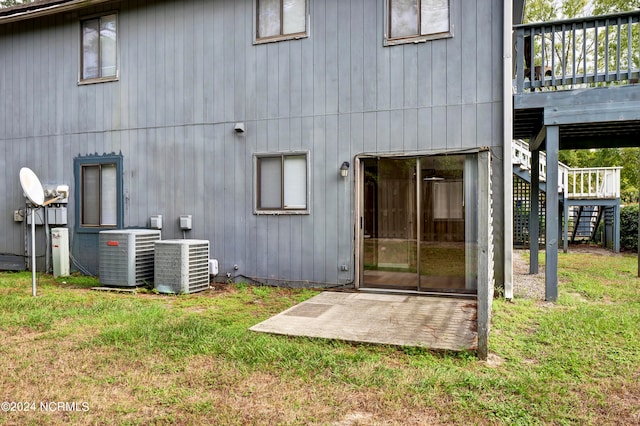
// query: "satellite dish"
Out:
[33,190]
[31,186]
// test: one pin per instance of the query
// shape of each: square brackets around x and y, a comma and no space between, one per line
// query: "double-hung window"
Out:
[280,19]
[417,20]
[282,183]
[99,48]
[99,193]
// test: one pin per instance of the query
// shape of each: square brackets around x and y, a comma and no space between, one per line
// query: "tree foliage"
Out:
[629,227]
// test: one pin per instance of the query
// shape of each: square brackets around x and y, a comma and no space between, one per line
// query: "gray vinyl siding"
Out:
[188,70]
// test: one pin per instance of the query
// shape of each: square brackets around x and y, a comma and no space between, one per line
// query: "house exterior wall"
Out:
[189,70]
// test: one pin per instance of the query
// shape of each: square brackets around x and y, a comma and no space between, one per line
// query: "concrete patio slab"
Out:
[394,319]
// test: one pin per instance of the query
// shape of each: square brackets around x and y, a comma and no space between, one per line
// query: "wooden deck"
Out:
[394,319]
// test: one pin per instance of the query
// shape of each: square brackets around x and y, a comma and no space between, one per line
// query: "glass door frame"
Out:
[470,215]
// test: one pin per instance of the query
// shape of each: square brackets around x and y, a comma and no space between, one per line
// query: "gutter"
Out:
[507,105]
[44,8]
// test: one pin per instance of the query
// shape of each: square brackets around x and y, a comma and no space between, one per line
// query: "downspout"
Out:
[507,104]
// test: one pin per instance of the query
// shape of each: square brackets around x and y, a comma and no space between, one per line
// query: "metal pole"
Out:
[33,252]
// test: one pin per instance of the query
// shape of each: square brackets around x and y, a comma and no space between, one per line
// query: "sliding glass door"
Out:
[418,223]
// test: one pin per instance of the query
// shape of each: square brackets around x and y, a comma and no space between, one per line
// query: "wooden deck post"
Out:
[485,254]
[534,212]
[616,227]
[565,221]
[551,225]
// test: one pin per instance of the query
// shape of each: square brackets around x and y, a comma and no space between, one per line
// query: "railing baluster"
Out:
[553,55]
[573,54]
[542,53]
[595,54]
[606,51]
[520,65]
[618,49]
[629,47]
[564,55]
[584,52]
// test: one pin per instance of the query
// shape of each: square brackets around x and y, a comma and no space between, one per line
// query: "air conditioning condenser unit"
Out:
[125,256]
[181,266]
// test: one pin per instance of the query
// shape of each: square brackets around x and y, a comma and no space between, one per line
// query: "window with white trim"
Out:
[416,20]
[282,183]
[280,19]
[99,48]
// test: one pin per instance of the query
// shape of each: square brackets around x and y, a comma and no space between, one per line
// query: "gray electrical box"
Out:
[39,215]
[57,215]
[155,222]
[185,222]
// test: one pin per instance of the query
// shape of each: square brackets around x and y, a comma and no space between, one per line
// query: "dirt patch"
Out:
[494,360]
[591,249]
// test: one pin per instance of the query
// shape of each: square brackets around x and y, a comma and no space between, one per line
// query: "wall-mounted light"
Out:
[239,128]
[344,169]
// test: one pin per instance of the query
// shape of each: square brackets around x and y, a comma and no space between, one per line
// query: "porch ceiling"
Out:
[604,117]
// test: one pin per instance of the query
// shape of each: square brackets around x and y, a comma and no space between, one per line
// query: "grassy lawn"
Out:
[147,358]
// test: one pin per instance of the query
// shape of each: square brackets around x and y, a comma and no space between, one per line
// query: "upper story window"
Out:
[99,48]
[280,20]
[417,20]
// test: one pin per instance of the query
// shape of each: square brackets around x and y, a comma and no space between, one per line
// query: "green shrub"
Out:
[629,227]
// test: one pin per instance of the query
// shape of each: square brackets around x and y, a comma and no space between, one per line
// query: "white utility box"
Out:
[60,251]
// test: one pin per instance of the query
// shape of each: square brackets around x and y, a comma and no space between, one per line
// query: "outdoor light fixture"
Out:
[344,169]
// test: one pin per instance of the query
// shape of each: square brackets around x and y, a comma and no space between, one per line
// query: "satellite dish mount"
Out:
[35,194]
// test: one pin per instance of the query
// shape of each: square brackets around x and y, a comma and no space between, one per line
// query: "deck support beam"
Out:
[565,228]
[537,142]
[616,227]
[534,212]
[551,226]
[485,254]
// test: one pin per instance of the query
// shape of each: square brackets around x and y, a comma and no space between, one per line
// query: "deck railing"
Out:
[598,182]
[581,52]
[521,156]
[575,183]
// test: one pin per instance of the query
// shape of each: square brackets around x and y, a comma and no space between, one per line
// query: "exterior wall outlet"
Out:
[344,267]
[18,216]
[185,222]
[155,222]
